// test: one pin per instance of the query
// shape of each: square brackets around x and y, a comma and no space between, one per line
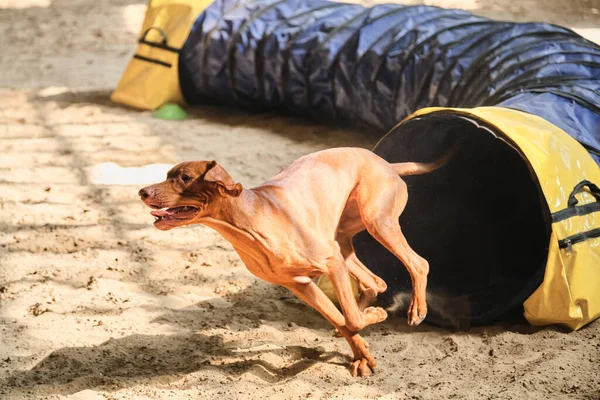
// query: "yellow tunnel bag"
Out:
[568,177]
[151,78]
[570,294]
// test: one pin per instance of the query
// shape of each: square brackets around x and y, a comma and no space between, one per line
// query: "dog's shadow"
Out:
[137,359]
[260,303]
[143,359]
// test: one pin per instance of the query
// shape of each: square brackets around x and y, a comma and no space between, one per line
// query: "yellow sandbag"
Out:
[151,78]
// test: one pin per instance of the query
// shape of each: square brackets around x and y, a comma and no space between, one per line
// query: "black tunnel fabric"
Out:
[377,65]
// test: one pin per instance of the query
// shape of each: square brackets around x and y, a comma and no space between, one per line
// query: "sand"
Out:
[97,304]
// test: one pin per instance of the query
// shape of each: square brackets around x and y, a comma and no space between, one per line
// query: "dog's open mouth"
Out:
[175,213]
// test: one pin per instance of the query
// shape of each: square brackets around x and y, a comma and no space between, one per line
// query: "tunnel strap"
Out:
[152,60]
[573,210]
[567,242]
[163,44]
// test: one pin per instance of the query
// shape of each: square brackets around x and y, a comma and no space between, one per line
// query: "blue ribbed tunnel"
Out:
[377,65]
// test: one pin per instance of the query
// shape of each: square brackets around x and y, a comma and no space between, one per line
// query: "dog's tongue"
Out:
[159,213]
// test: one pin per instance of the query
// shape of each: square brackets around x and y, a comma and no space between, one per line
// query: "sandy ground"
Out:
[97,304]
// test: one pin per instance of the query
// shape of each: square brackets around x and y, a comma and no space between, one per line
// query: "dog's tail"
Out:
[416,168]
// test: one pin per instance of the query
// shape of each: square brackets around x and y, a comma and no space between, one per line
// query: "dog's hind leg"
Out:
[380,215]
[389,234]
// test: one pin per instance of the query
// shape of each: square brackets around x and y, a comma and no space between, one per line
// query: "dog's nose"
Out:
[145,193]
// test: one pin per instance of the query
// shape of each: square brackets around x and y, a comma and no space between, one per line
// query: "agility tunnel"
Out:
[511,223]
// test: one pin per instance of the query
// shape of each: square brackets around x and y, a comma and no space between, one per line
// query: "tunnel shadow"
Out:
[284,124]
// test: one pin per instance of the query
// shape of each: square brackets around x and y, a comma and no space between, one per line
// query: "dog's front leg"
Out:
[363,363]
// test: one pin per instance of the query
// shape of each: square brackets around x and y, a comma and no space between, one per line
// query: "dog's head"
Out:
[187,193]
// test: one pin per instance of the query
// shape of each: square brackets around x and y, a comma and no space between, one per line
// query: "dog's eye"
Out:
[186,178]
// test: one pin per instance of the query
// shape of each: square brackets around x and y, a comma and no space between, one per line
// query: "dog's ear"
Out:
[225,183]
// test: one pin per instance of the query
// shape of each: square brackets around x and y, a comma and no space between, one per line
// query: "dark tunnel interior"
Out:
[480,221]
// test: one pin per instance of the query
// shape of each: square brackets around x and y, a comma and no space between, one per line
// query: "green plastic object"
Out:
[170,112]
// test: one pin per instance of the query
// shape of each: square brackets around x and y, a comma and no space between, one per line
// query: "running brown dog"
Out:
[299,225]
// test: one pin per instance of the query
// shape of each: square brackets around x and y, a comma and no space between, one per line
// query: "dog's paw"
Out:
[377,314]
[416,313]
[414,321]
[381,286]
[362,367]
